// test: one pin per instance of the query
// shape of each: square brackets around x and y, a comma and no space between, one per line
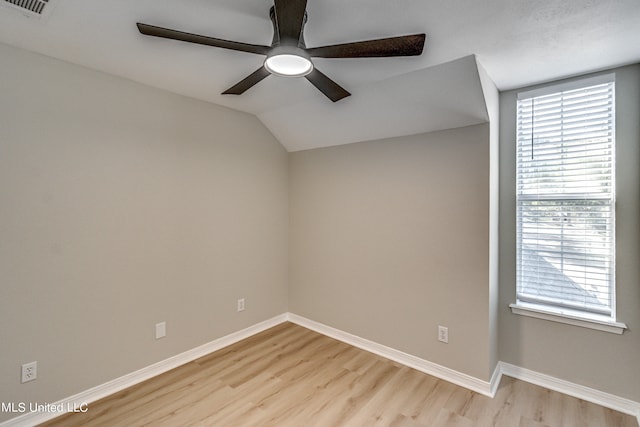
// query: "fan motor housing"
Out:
[276,38]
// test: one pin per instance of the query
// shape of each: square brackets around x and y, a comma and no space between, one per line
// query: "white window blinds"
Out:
[565,197]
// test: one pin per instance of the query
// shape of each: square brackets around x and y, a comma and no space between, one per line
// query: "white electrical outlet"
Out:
[443,334]
[161,330]
[241,304]
[29,372]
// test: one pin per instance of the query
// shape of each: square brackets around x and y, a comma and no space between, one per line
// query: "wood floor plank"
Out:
[447,418]
[289,376]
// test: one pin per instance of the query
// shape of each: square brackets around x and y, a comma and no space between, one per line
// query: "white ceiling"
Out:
[518,42]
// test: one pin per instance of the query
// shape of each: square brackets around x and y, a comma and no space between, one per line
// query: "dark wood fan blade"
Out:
[331,89]
[242,86]
[411,45]
[152,30]
[290,19]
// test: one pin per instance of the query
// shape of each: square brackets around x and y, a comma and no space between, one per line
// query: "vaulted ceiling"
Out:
[517,42]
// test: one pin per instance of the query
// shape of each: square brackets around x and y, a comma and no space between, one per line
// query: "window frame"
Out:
[558,313]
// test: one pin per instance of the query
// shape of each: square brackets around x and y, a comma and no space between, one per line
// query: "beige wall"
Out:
[389,239]
[122,206]
[492,102]
[596,359]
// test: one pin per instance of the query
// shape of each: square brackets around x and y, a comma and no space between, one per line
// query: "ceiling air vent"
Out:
[32,6]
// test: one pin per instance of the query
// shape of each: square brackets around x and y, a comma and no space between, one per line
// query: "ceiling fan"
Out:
[288,55]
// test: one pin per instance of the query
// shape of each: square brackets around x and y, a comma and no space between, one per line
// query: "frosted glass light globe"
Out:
[288,65]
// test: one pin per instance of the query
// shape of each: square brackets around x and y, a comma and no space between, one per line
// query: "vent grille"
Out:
[33,6]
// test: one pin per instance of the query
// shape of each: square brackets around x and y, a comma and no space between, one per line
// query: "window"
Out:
[566,199]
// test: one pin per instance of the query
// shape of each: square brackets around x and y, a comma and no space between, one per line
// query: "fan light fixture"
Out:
[288,65]
[288,54]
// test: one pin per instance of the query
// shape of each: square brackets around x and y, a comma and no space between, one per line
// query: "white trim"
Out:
[486,388]
[565,316]
[495,380]
[598,397]
[483,387]
[133,378]
[442,372]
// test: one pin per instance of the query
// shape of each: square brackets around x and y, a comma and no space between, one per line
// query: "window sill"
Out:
[569,317]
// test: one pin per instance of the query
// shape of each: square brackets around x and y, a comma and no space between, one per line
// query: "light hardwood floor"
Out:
[291,376]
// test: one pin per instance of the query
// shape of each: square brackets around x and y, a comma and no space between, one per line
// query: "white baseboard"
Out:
[483,387]
[133,378]
[588,394]
[447,374]
[486,388]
